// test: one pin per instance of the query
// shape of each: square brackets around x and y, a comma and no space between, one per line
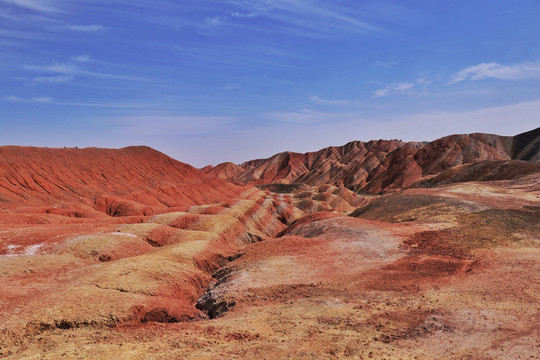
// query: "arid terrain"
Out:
[378,250]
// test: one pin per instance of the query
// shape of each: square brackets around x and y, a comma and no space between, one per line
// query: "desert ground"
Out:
[128,254]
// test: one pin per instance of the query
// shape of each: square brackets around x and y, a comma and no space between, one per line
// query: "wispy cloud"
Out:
[82,58]
[46,6]
[309,117]
[126,105]
[300,18]
[214,21]
[319,100]
[244,55]
[67,72]
[385,64]
[400,88]
[12,98]
[42,99]
[55,68]
[86,28]
[73,70]
[113,76]
[497,71]
[53,79]
[393,88]
[244,15]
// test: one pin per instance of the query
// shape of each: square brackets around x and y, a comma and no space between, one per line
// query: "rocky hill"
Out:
[95,182]
[378,166]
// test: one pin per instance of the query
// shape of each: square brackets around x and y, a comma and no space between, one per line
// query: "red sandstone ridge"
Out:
[226,170]
[382,165]
[92,182]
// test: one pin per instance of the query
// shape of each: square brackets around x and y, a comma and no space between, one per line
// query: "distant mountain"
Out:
[382,165]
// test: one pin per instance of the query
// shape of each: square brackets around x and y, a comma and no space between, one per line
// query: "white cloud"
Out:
[319,100]
[400,88]
[304,17]
[71,69]
[53,79]
[403,87]
[244,15]
[46,6]
[109,105]
[86,28]
[395,88]
[385,64]
[309,117]
[82,58]
[55,68]
[381,92]
[214,21]
[12,98]
[496,71]
[42,99]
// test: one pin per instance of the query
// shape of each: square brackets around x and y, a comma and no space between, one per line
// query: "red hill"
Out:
[379,166]
[130,181]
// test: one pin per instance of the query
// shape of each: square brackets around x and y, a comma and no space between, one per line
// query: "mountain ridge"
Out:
[379,166]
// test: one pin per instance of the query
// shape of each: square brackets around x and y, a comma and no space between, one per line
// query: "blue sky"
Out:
[232,80]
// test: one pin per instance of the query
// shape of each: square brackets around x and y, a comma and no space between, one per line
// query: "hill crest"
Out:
[135,180]
[378,166]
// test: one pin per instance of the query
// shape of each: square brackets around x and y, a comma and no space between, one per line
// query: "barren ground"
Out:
[444,273]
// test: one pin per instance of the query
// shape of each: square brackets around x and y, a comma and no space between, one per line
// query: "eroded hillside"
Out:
[383,165]
[93,182]
[182,265]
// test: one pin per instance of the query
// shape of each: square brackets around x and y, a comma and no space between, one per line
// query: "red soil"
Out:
[82,182]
